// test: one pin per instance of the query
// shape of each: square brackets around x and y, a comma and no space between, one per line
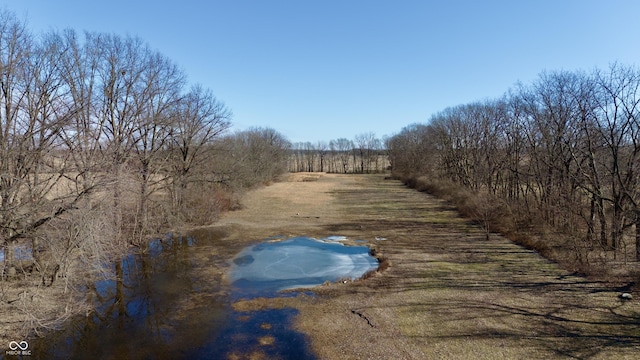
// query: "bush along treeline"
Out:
[363,155]
[103,144]
[554,164]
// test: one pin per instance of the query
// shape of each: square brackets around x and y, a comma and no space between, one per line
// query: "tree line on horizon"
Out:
[559,157]
[365,154]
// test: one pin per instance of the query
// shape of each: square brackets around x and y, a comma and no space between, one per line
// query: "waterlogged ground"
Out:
[448,294]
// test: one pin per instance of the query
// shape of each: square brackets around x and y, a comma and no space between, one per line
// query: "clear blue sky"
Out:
[321,70]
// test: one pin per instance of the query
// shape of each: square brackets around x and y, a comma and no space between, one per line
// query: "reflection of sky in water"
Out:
[298,262]
[154,314]
[147,313]
[20,252]
[241,338]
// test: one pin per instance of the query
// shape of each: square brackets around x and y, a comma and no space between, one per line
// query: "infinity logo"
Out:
[22,345]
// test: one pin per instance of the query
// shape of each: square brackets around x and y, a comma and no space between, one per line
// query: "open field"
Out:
[448,294]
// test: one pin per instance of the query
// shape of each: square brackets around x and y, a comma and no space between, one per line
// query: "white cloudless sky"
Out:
[322,70]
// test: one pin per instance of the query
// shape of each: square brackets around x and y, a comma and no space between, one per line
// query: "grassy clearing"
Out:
[450,293]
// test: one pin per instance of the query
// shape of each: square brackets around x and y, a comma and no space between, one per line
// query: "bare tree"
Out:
[83,134]
[322,149]
[34,110]
[259,156]
[344,147]
[310,156]
[411,151]
[297,160]
[159,95]
[198,120]
[121,70]
[618,112]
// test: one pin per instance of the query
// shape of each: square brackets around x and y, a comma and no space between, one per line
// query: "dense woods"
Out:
[103,145]
[556,162]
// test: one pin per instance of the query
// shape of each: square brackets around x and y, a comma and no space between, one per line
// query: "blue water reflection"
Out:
[297,263]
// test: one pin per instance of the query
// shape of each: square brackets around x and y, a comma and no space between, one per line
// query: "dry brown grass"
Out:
[304,176]
[449,294]
[26,305]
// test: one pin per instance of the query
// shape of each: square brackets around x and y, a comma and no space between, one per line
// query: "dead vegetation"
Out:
[450,292]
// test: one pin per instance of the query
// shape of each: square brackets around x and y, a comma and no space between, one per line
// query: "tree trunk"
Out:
[142,223]
[119,299]
[9,261]
[117,211]
[603,223]
[591,221]
[637,235]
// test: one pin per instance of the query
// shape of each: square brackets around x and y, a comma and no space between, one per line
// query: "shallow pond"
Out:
[300,262]
[157,309]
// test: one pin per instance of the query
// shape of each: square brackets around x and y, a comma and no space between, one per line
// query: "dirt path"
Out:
[449,293]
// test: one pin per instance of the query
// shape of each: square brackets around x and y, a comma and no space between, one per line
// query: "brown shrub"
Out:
[203,205]
[385,263]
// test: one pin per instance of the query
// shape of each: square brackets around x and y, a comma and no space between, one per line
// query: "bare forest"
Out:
[554,164]
[103,145]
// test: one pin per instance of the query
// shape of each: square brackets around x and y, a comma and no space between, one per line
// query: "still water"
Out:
[299,262]
[161,308]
